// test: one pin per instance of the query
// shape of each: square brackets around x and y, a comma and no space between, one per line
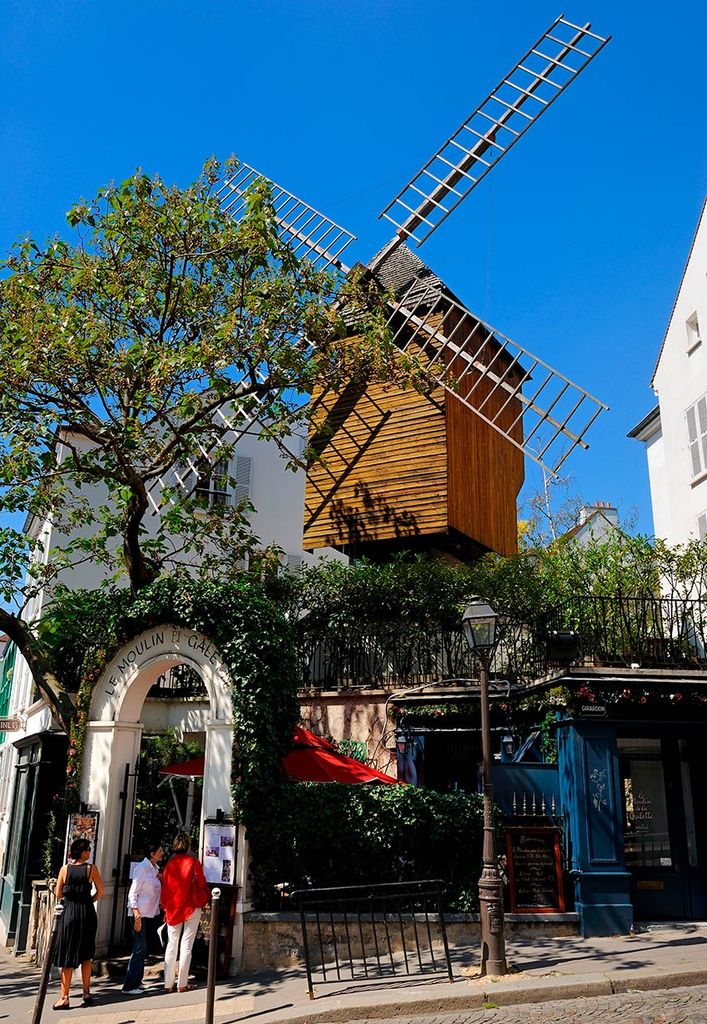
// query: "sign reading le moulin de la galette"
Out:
[147,645]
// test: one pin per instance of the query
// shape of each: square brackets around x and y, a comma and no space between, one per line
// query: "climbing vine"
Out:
[85,630]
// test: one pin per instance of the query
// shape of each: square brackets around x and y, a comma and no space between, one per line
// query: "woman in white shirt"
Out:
[143,906]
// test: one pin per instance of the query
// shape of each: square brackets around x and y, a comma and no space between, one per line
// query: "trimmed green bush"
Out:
[334,835]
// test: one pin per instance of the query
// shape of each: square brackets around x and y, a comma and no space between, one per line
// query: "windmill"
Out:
[441,470]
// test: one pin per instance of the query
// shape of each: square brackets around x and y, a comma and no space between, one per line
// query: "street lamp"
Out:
[479,624]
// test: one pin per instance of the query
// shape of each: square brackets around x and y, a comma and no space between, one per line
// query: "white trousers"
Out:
[186,932]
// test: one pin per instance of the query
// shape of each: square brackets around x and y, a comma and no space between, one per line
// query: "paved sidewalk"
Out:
[544,970]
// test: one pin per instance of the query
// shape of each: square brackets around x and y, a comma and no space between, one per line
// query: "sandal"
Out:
[62,1004]
[187,988]
[88,999]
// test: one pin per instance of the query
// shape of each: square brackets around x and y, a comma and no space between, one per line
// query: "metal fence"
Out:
[612,631]
[651,632]
[369,931]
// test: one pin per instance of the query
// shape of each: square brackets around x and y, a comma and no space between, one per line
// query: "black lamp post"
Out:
[479,623]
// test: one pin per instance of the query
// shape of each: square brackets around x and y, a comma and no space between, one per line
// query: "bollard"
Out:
[46,970]
[213,947]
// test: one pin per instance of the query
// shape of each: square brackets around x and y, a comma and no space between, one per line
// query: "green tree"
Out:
[121,349]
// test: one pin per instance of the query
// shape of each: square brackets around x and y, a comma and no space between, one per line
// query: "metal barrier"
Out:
[361,928]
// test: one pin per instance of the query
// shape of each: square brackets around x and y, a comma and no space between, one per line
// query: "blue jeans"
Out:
[136,963]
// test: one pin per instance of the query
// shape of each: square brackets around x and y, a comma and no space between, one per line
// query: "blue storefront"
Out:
[620,783]
[636,815]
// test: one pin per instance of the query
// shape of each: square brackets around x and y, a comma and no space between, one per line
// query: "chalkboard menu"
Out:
[534,870]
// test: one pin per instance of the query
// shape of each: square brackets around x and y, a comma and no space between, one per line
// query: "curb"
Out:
[504,994]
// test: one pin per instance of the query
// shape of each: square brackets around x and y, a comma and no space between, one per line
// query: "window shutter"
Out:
[694,430]
[243,474]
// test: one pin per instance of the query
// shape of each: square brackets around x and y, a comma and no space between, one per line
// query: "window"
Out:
[646,833]
[212,487]
[693,333]
[226,484]
[696,417]
[702,526]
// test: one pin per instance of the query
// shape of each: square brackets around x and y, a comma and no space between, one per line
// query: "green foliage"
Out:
[345,835]
[155,814]
[120,346]
[84,630]
[413,594]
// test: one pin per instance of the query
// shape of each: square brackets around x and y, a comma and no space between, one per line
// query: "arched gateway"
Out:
[114,731]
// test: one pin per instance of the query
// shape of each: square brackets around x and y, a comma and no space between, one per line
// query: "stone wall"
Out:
[359,717]
[275,940]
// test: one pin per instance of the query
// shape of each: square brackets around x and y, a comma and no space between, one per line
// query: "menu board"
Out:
[219,853]
[534,870]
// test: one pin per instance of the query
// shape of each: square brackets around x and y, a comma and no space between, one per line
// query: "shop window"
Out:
[646,835]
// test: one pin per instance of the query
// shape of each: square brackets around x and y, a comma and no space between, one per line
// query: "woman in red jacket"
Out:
[184,894]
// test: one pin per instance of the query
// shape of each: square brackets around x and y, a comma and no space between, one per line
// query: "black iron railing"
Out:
[611,631]
[373,931]
[644,631]
[403,658]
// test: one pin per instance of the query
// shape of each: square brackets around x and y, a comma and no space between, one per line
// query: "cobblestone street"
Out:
[669,1006]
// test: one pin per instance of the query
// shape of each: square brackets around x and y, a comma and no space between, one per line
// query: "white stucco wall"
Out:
[680,380]
[278,497]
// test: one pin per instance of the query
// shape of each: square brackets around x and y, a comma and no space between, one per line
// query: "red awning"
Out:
[312,759]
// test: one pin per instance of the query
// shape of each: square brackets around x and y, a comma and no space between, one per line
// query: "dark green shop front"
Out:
[632,789]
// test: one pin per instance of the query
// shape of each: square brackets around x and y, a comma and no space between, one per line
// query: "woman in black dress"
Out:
[79,886]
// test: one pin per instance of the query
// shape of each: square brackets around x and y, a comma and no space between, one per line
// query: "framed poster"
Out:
[82,825]
[535,870]
[219,853]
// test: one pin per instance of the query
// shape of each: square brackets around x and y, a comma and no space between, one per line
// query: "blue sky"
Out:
[573,245]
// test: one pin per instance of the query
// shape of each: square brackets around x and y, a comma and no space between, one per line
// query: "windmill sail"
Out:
[541,412]
[310,234]
[537,409]
[539,77]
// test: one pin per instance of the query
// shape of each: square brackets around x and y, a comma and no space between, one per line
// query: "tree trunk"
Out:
[42,672]
[141,570]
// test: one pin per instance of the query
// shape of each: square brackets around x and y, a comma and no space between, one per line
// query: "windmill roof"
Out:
[401,268]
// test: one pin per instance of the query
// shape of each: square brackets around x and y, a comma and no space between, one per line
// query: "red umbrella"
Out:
[312,759]
[193,768]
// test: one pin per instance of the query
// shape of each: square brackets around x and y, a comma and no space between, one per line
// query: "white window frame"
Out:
[694,338]
[702,526]
[696,424]
[213,487]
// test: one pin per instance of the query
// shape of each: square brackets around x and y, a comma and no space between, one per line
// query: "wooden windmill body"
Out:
[403,469]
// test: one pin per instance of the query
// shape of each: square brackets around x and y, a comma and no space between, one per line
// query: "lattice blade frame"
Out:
[310,234]
[460,351]
[536,81]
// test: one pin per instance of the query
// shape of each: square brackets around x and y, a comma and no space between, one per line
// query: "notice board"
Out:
[534,870]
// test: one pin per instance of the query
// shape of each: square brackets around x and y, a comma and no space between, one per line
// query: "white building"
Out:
[277,495]
[675,431]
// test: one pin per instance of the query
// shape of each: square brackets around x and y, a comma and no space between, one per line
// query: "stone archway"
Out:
[114,731]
